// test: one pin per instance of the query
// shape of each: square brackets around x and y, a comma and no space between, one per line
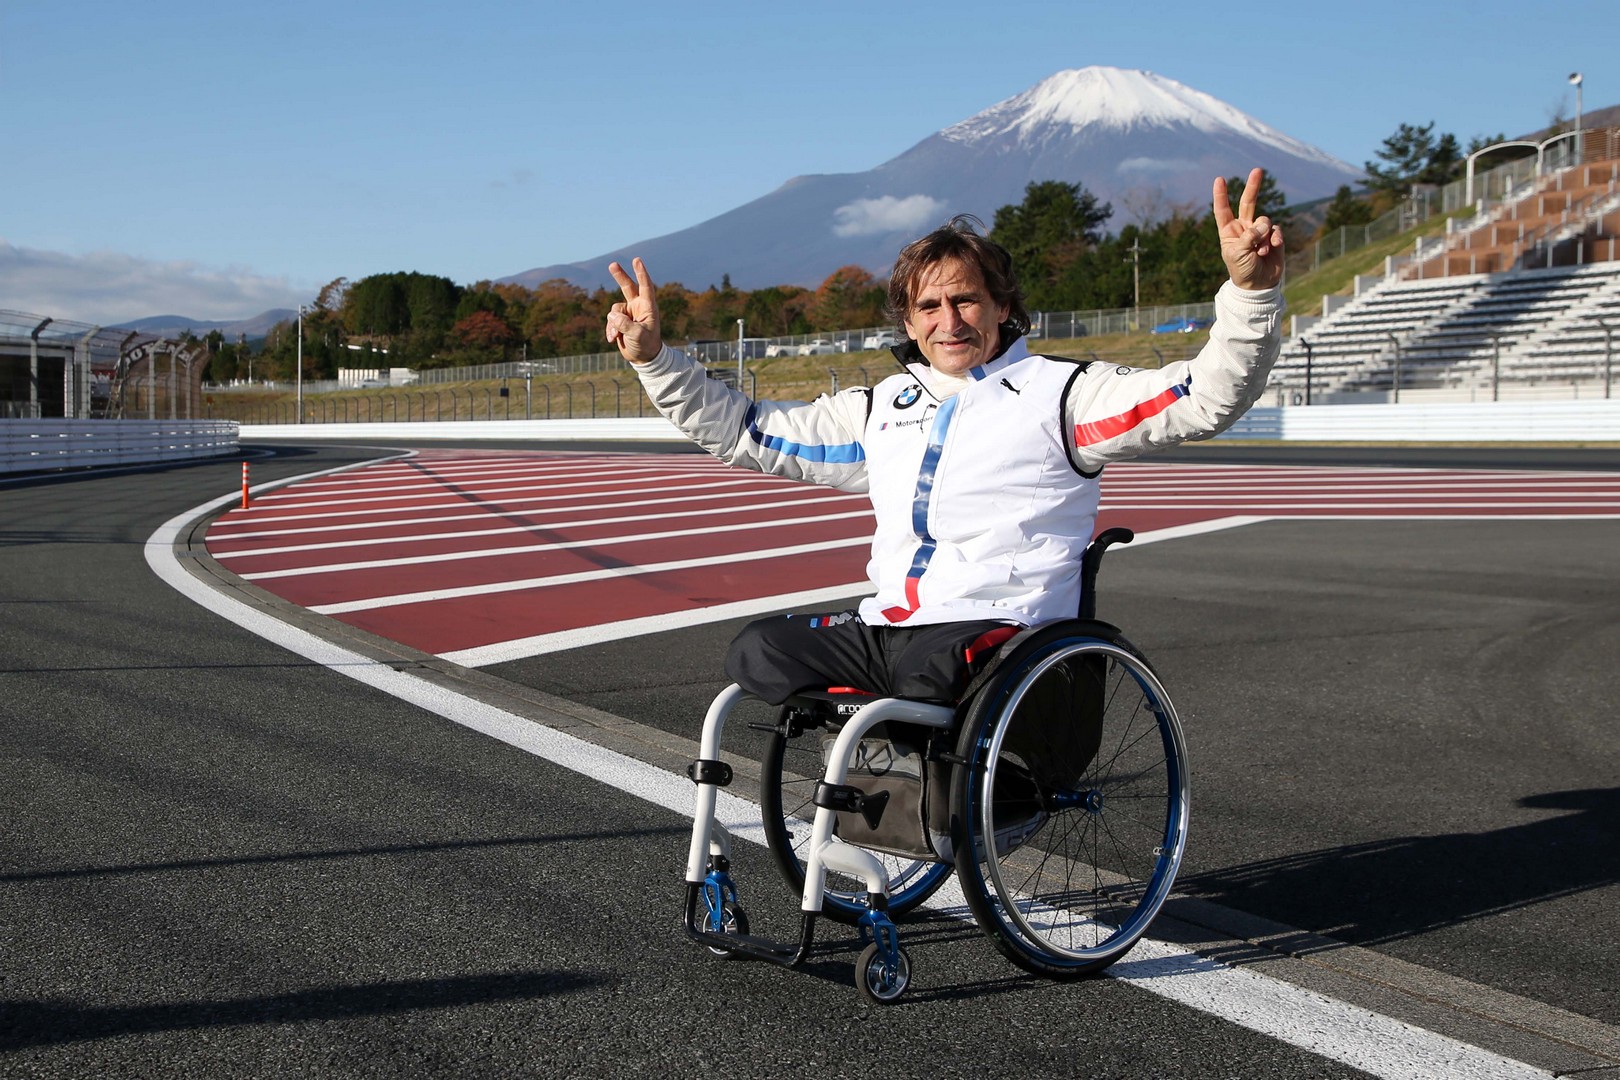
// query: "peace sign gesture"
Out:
[633,324]
[1252,246]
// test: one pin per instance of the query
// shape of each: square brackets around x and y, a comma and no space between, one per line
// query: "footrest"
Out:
[755,948]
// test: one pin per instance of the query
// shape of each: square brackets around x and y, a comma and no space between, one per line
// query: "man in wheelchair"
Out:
[981,458]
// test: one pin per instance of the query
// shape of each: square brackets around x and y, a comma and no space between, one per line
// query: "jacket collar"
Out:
[911,357]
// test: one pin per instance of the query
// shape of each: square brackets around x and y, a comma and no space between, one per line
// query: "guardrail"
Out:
[34,445]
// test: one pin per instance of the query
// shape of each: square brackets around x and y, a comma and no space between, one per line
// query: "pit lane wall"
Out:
[1593,421]
[42,445]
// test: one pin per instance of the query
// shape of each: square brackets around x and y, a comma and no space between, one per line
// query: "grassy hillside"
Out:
[1304,292]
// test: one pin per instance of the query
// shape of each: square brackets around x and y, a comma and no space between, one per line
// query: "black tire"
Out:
[787,785]
[878,983]
[1070,813]
[733,920]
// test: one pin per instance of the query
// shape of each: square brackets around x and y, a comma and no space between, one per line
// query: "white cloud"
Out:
[866,217]
[109,287]
[1141,165]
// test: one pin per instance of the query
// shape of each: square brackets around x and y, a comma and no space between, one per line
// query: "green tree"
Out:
[375,306]
[432,302]
[1346,209]
[1445,162]
[1413,155]
[1055,224]
[480,297]
[1269,200]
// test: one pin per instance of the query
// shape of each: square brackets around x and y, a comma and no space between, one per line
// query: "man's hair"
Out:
[961,239]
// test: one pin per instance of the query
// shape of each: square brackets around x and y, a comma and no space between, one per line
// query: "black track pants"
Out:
[776,658]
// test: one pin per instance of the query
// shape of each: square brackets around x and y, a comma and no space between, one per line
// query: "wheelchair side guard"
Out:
[843,797]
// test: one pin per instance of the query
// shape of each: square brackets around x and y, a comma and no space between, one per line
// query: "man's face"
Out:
[952,318]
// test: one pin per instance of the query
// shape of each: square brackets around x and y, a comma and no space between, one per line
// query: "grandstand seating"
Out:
[1526,294]
[1566,218]
[1528,326]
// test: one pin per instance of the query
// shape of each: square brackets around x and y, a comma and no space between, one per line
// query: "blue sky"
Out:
[215,159]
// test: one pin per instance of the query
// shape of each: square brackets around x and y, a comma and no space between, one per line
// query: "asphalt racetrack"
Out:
[438,828]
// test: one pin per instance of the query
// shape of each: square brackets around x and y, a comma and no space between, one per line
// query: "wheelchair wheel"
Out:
[787,785]
[1070,811]
[733,920]
[880,982]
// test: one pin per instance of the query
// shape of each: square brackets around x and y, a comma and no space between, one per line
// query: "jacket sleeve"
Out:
[1112,413]
[818,442]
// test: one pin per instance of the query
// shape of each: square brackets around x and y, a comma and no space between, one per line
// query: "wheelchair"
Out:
[1057,791]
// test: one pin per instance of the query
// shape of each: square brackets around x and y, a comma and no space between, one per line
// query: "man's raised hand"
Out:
[632,325]
[1251,245]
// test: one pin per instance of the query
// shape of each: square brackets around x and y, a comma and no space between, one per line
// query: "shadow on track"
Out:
[137,869]
[1387,890]
[51,1022]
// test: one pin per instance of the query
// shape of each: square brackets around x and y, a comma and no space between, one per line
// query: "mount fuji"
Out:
[1131,137]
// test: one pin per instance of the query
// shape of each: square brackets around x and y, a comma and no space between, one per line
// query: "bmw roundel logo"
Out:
[908,397]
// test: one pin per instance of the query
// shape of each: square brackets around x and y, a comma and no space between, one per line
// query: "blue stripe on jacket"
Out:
[836,454]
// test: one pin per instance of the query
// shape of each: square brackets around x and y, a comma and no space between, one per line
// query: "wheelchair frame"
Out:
[1079,905]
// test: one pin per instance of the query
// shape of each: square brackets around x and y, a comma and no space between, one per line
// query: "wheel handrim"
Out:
[1077,889]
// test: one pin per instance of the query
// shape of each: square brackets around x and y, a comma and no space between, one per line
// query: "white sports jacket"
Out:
[985,500]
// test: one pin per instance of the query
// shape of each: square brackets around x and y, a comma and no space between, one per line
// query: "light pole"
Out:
[739,353]
[1136,281]
[1496,365]
[1395,342]
[298,378]
[1608,354]
[1575,81]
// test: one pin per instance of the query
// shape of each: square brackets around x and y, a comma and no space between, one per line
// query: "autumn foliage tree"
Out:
[483,330]
[850,297]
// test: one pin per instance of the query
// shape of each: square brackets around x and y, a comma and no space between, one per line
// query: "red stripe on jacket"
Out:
[1102,430]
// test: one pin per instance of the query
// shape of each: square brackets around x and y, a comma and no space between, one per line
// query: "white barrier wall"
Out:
[1597,420]
[1461,422]
[30,445]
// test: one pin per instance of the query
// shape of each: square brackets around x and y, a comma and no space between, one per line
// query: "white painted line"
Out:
[560,640]
[530,549]
[1440,506]
[521,648]
[505,505]
[430,595]
[398,539]
[1361,1038]
[1321,1025]
[505,512]
[1401,485]
[452,495]
[428,478]
[1437,505]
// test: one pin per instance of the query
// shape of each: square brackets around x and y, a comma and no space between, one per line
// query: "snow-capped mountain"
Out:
[1132,138]
[1103,98]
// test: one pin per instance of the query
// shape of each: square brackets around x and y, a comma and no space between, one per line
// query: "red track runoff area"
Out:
[486,556]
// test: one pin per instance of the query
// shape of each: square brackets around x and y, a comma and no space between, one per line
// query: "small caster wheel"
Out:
[733,920]
[880,982]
